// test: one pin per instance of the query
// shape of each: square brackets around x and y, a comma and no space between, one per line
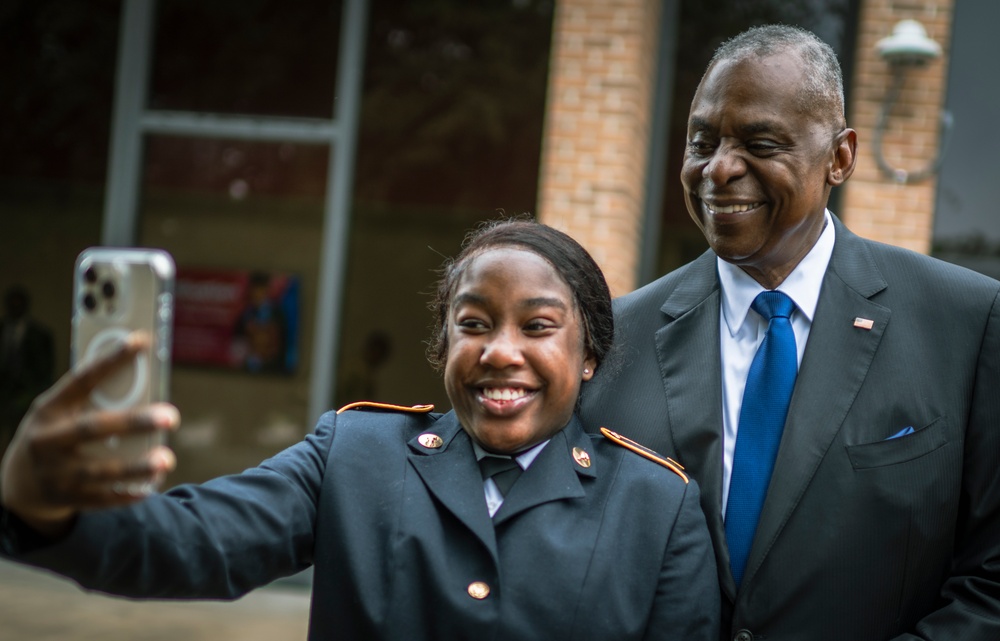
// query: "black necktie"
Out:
[503,470]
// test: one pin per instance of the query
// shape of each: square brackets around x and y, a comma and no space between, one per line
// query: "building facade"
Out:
[343,149]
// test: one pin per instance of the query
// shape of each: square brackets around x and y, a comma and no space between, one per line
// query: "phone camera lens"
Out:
[89,302]
[90,275]
[108,289]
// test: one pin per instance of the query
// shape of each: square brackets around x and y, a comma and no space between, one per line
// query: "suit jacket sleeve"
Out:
[216,540]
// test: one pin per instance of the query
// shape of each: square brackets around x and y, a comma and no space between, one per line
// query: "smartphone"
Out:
[116,291]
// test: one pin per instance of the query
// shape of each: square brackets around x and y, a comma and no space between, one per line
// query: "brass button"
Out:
[432,441]
[479,590]
[581,457]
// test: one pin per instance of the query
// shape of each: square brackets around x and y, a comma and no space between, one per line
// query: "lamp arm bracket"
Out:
[899,175]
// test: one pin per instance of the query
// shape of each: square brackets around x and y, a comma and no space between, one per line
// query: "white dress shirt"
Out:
[741,330]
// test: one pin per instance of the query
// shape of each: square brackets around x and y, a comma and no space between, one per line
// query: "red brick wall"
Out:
[597,130]
[874,206]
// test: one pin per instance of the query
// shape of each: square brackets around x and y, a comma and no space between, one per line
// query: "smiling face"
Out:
[759,164]
[516,356]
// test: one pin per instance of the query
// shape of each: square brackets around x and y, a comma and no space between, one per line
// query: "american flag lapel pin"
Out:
[864,323]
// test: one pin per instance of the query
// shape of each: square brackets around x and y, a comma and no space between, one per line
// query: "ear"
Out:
[589,365]
[845,156]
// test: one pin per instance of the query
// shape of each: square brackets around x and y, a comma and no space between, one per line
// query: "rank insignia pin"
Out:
[430,441]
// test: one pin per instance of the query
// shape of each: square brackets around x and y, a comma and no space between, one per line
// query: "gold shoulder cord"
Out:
[644,451]
[412,409]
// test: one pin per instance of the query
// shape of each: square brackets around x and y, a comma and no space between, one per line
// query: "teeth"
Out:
[504,394]
[734,209]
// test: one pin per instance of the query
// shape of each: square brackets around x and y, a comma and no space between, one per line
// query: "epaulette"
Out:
[644,451]
[388,407]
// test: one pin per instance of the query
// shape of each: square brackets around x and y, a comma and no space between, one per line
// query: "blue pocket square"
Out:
[903,432]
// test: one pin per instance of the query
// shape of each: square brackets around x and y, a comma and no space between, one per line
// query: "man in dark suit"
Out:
[880,518]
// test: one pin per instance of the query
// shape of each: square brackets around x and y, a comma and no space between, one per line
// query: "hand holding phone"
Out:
[94,439]
[46,478]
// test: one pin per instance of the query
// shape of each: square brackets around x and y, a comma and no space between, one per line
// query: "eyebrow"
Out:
[528,303]
[763,127]
[751,128]
[698,123]
[542,301]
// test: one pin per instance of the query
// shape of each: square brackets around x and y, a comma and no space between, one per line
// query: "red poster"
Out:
[236,319]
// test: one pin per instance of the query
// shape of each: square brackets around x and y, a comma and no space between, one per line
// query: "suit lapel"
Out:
[451,474]
[553,476]
[687,348]
[837,356]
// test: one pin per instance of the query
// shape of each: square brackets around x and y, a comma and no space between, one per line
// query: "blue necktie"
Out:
[762,419]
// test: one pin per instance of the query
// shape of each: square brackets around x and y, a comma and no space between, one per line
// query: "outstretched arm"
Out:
[98,521]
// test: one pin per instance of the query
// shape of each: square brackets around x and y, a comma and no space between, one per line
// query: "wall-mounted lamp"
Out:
[906,48]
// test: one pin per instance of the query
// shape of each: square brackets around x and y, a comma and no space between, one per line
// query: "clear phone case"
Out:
[115,292]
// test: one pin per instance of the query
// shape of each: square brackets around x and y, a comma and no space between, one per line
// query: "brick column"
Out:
[874,205]
[597,125]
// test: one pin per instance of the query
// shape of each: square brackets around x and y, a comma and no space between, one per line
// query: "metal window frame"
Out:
[131,122]
[656,163]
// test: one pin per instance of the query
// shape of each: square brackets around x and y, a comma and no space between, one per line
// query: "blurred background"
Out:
[337,152]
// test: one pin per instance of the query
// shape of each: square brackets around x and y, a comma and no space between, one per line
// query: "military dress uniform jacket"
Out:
[395,523]
[882,518]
